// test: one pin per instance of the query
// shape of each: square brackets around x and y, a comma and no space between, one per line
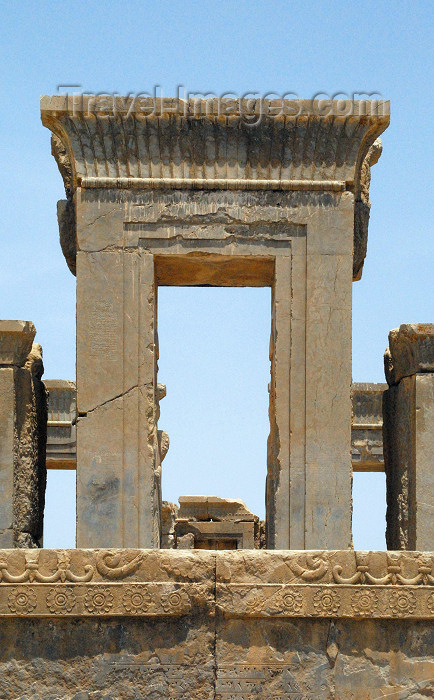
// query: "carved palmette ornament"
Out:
[32,573]
[393,576]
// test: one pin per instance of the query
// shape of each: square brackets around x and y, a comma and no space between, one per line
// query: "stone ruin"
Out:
[202,600]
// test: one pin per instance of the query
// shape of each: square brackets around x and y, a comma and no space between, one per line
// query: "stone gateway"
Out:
[203,601]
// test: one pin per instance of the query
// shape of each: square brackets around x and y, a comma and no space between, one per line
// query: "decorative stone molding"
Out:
[61,426]
[135,142]
[16,338]
[339,584]
[366,427]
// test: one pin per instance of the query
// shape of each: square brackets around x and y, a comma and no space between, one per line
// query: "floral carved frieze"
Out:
[243,583]
[78,600]
[334,601]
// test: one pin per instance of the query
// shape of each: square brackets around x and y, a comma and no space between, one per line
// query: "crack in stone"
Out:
[118,396]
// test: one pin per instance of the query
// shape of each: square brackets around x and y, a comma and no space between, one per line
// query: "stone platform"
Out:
[132,624]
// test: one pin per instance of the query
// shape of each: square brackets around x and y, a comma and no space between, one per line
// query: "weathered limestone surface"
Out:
[62,418]
[322,659]
[23,425]
[410,351]
[209,522]
[367,424]
[409,437]
[169,513]
[100,624]
[16,342]
[214,508]
[362,208]
[118,474]
[409,454]
[197,197]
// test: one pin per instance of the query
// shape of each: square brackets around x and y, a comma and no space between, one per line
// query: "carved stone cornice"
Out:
[151,583]
[211,144]
[281,145]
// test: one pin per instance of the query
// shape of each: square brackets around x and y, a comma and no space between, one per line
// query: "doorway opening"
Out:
[369,510]
[214,361]
[60,509]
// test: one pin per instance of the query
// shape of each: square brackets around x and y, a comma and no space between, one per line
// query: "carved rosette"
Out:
[22,601]
[364,602]
[136,599]
[61,600]
[98,600]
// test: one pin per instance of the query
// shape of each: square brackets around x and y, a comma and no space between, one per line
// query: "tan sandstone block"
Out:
[328,402]
[411,351]
[16,338]
[214,508]
[7,450]
[408,452]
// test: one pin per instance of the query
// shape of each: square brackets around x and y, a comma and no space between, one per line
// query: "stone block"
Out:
[61,425]
[411,351]
[118,456]
[366,428]
[219,535]
[23,431]
[169,513]
[408,434]
[214,508]
[16,338]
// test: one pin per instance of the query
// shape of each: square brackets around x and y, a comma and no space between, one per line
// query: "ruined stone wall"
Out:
[135,624]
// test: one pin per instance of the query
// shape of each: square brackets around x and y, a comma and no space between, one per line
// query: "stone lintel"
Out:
[247,584]
[16,338]
[367,404]
[410,351]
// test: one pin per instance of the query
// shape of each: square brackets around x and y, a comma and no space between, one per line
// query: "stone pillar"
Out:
[23,424]
[118,470]
[310,473]
[408,434]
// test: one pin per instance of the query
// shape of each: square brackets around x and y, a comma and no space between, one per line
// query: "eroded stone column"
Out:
[408,433]
[23,426]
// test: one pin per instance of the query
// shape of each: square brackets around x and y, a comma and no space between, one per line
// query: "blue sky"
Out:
[218,420]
